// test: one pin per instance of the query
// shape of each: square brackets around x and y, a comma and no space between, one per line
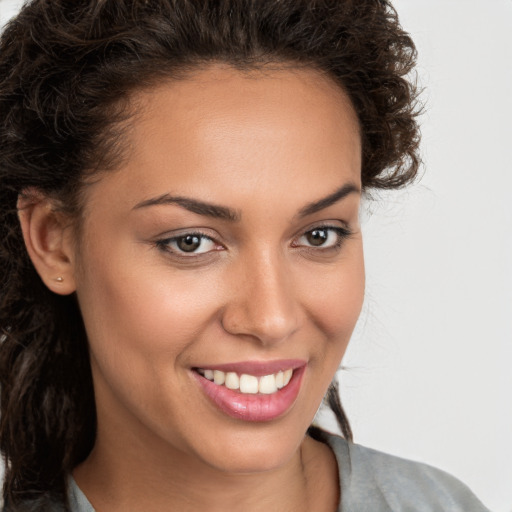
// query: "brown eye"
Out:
[323,238]
[317,237]
[188,243]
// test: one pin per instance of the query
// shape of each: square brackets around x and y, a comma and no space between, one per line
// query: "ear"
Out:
[48,237]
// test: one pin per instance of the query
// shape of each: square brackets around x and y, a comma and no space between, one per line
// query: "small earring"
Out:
[59,279]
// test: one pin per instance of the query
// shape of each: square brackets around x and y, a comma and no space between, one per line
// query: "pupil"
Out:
[189,243]
[317,237]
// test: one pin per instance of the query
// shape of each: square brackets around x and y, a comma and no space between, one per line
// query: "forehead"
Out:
[222,134]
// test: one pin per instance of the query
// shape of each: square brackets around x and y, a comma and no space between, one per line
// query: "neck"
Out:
[158,480]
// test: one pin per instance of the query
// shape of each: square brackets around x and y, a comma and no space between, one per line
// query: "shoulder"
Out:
[36,505]
[77,502]
[374,481]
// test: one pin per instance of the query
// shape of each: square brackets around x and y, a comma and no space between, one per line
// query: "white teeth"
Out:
[219,377]
[267,384]
[249,384]
[232,380]
[280,380]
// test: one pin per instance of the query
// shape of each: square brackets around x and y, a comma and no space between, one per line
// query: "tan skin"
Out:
[264,145]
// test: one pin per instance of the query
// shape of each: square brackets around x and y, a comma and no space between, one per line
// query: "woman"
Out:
[182,267]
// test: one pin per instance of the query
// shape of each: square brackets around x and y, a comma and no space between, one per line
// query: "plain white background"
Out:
[428,371]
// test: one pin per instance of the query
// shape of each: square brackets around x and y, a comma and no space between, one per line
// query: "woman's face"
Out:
[228,241]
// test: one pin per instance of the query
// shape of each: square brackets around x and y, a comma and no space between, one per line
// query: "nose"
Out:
[263,302]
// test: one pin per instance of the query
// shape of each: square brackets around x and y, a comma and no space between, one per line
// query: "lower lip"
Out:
[253,407]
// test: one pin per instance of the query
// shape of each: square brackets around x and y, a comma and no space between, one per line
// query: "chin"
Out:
[256,457]
[251,448]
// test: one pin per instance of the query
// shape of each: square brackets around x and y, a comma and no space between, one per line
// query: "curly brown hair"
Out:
[67,72]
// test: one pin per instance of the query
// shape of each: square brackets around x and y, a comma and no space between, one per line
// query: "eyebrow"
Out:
[225,213]
[193,205]
[338,195]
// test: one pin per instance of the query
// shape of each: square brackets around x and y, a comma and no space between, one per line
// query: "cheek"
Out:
[143,324]
[144,311]
[334,305]
[336,297]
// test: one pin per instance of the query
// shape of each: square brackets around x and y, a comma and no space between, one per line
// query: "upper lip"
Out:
[256,368]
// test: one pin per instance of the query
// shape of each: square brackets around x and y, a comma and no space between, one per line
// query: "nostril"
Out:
[267,329]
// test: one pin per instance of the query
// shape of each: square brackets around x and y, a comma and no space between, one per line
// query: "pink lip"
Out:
[249,407]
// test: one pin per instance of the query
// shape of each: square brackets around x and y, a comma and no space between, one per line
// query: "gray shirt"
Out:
[372,481]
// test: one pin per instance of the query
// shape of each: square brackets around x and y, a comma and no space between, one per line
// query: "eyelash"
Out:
[342,234]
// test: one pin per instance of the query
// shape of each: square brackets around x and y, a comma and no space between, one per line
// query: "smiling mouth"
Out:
[248,384]
[252,391]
